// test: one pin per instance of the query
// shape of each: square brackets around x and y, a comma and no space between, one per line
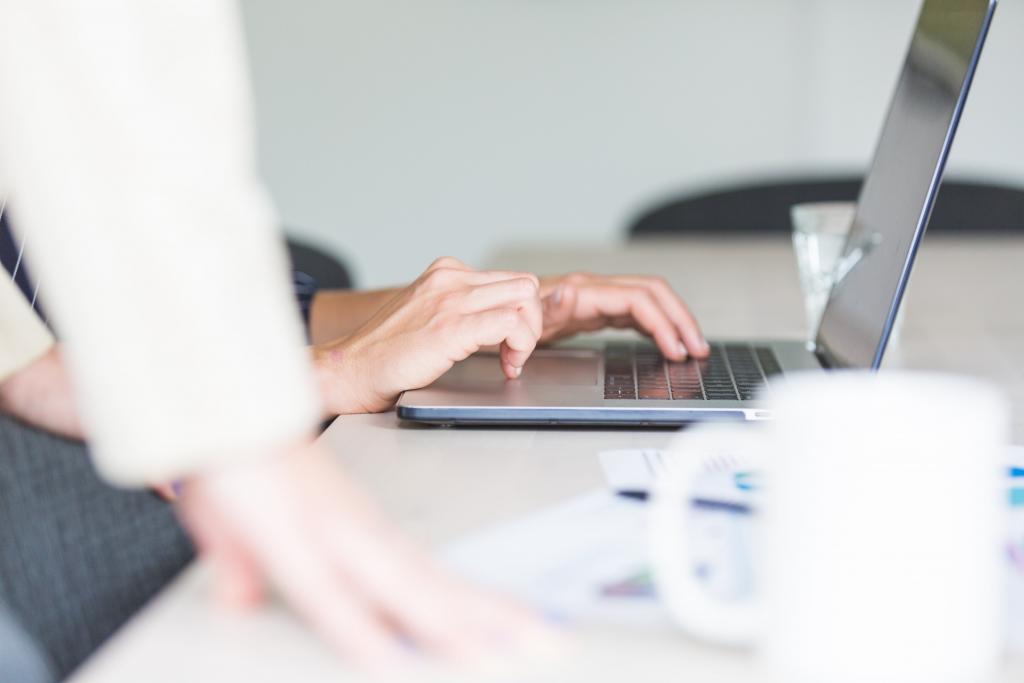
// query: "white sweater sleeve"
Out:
[128,159]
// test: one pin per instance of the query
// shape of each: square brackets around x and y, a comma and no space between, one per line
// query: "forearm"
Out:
[128,152]
[339,312]
[40,394]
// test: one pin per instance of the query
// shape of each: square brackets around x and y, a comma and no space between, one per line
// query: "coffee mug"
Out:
[878,528]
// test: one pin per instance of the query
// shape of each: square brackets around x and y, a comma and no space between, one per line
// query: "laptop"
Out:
[630,383]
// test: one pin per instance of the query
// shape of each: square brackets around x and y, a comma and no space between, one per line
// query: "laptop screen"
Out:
[899,191]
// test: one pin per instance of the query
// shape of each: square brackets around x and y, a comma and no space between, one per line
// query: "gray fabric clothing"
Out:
[77,556]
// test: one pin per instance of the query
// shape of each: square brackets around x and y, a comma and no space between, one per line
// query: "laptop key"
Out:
[687,395]
[654,394]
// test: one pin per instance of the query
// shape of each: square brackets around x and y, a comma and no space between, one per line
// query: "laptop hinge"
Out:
[827,360]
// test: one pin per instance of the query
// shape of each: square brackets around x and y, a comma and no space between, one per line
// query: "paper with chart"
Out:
[586,559]
[562,559]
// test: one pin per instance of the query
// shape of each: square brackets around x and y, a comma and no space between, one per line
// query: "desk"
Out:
[441,483]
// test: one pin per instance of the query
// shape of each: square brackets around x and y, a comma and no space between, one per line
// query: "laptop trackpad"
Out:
[563,367]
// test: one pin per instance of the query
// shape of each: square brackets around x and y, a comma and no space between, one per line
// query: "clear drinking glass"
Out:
[819,235]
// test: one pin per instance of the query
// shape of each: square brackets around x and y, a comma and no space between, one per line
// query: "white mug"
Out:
[879,529]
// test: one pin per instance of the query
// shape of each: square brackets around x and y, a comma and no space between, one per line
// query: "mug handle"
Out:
[689,602]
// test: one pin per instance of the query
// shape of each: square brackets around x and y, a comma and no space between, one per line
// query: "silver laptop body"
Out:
[628,383]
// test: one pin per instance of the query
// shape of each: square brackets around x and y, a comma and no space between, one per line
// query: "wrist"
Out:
[344,388]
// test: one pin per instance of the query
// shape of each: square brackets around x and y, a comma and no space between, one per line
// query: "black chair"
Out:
[763,208]
[328,270]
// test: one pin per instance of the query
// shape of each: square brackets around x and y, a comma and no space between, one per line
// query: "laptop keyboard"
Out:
[732,372]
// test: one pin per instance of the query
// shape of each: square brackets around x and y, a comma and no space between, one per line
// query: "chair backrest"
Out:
[763,208]
[328,271]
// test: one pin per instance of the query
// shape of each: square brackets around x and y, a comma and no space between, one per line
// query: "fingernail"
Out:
[704,344]
[517,371]
[556,296]
[178,487]
[682,350]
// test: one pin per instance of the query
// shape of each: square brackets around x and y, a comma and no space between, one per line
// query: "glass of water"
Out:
[819,235]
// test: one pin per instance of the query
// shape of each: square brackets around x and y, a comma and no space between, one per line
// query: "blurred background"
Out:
[394,131]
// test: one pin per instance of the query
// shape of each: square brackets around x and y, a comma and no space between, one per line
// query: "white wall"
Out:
[399,130]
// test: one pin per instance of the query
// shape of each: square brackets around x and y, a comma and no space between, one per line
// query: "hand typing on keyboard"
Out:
[584,302]
[450,312]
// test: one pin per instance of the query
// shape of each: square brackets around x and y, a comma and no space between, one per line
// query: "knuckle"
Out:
[445,262]
[439,278]
[525,288]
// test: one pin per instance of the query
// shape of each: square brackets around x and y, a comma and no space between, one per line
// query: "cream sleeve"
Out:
[128,159]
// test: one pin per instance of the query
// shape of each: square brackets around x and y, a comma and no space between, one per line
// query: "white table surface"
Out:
[962,316]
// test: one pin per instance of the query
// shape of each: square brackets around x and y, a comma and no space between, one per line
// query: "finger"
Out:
[677,311]
[519,344]
[445,279]
[501,624]
[478,276]
[487,624]
[504,326]
[238,580]
[492,611]
[483,277]
[511,371]
[165,491]
[616,301]
[441,615]
[532,311]
[520,293]
[652,319]
[681,316]
[310,581]
[499,294]
[612,303]
[404,586]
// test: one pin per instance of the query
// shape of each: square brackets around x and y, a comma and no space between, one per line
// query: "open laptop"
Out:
[630,383]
